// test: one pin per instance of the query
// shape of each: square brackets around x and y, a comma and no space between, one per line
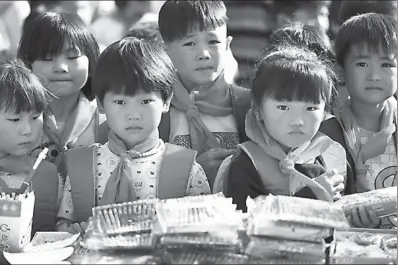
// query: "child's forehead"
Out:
[195,30]
[364,50]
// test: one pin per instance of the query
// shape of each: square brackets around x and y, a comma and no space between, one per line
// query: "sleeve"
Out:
[197,183]
[66,209]
[243,180]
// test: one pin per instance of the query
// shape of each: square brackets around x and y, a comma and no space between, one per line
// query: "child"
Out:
[302,35]
[133,85]
[350,8]
[286,155]
[206,114]
[22,101]
[366,50]
[60,48]
[314,13]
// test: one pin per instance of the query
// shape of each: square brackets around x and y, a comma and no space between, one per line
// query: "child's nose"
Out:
[133,115]
[203,53]
[26,128]
[60,65]
[297,120]
[374,74]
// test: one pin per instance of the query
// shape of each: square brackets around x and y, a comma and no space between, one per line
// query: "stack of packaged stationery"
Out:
[199,230]
[121,226]
[291,228]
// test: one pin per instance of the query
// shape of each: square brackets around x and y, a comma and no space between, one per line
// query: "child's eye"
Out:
[120,102]
[73,57]
[214,42]
[189,44]
[388,65]
[312,108]
[282,107]
[147,101]
[362,64]
[13,120]
[36,117]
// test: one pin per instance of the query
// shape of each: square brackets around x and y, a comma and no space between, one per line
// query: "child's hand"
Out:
[362,218]
[211,161]
[75,228]
[332,182]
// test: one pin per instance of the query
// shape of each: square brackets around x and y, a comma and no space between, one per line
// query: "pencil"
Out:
[28,179]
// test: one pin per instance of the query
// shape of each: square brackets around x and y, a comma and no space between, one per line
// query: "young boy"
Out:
[22,101]
[133,86]
[207,114]
[366,50]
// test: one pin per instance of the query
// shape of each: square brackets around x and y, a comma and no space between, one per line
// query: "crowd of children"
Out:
[154,115]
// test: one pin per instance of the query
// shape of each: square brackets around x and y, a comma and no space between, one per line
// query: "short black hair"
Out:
[20,89]
[148,30]
[350,8]
[373,30]
[46,35]
[131,64]
[301,35]
[177,18]
[293,73]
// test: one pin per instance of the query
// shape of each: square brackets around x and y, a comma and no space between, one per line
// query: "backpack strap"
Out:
[164,127]
[81,164]
[175,171]
[45,184]
[241,103]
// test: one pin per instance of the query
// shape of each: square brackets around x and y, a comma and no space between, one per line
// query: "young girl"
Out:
[22,101]
[286,155]
[60,48]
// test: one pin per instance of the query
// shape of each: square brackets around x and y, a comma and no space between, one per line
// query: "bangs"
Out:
[374,32]
[47,36]
[22,92]
[288,84]
[180,18]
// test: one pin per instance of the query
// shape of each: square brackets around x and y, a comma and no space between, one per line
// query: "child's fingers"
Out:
[76,228]
[337,179]
[339,188]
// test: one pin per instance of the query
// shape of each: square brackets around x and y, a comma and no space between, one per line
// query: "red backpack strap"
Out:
[81,164]
[175,171]
[45,185]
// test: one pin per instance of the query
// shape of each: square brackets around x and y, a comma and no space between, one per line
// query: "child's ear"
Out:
[166,105]
[100,106]
[228,42]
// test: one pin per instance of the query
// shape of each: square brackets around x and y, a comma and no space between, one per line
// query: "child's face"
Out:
[66,73]
[133,118]
[19,133]
[370,77]
[291,123]
[200,56]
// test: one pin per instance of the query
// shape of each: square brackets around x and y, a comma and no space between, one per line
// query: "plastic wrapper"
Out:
[265,247]
[271,212]
[202,257]
[364,246]
[194,217]
[382,201]
[200,242]
[121,226]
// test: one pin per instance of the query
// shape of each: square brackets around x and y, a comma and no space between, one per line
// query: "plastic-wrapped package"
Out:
[278,212]
[382,201]
[198,222]
[203,241]
[121,226]
[202,257]
[265,247]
